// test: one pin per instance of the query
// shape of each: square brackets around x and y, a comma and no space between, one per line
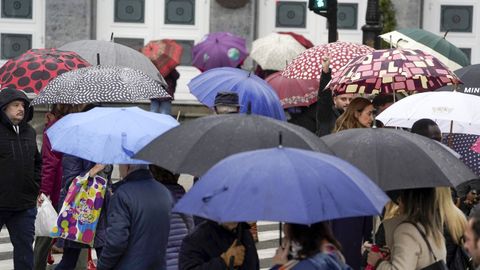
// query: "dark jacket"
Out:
[306,118]
[180,226]
[138,224]
[201,249]
[51,169]
[327,114]
[20,161]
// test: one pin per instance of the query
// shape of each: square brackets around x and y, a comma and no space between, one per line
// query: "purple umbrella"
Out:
[220,49]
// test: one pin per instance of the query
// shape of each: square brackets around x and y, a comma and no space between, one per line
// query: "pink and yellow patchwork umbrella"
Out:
[308,65]
[392,70]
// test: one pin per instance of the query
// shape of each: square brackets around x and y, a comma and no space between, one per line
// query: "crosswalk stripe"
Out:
[267,233]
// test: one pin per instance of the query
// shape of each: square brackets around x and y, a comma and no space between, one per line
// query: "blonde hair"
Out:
[450,215]
[349,119]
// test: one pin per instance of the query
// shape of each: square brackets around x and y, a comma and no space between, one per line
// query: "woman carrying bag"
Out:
[415,237]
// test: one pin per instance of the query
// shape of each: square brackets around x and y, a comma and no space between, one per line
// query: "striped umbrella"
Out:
[414,38]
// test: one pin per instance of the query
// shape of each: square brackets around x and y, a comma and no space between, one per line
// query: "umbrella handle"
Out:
[280,236]
[231,263]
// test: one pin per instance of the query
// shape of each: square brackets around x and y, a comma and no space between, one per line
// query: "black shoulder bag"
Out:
[438,264]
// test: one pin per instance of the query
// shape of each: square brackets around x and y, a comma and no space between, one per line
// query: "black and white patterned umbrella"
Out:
[100,84]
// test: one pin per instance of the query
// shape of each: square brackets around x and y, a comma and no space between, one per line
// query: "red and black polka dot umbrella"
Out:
[34,69]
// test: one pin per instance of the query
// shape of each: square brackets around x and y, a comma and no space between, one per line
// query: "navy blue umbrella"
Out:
[282,184]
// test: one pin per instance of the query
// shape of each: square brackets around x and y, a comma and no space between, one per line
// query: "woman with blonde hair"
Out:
[415,237]
[454,222]
[359,114]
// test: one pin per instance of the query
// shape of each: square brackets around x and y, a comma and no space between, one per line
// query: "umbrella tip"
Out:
[280,140]
[98,59]
[446,33]
[249,108]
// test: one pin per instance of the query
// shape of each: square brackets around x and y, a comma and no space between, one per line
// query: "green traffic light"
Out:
[320,4]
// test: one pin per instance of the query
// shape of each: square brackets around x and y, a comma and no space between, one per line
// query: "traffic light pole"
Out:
[332,20]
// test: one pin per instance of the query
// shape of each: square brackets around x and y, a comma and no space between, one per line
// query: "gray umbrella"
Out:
[113,54]
[100,84]
[396,159]
[197,145]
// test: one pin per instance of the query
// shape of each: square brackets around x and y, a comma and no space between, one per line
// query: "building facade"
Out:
[26,24]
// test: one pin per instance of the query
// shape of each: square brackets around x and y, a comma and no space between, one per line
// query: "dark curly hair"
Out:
[310,237]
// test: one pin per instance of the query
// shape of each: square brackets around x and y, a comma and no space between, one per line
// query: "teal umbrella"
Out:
[414,38]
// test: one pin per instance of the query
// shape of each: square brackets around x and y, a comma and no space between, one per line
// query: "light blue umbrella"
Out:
[108,135]
[282,184]
[250,88]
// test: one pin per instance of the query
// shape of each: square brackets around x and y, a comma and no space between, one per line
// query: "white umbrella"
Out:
[454,112]
[275,51]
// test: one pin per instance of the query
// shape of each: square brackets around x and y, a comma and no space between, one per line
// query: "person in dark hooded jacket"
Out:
[20,164]
[211,246]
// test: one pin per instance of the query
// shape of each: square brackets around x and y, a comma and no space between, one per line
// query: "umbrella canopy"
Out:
[293,92]
[165,54]
[195,146]
[397,159]
[441,107]
[414,38]
[274,51]
[462,144]
[108,135]
[249,87]
[300,38]
[32,70]
[308,65]
[114,54]
[392,70]
[470,77]
[219,49]
[100,84]
[282,184]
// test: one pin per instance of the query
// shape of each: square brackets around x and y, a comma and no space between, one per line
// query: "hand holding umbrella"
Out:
[234,255]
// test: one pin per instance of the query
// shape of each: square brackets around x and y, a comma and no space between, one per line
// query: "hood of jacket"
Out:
[8,95]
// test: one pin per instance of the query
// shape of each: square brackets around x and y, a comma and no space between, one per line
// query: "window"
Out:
[129,11]
[180,12]
[456,18]
[14,45]
[347,16]
[187,45]
[17,9]
[291,14]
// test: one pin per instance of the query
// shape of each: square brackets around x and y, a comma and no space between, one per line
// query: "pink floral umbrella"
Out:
[293,92]
[392,70]
[308,65]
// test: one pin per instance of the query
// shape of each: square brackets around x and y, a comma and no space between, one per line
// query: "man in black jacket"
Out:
[20,165]
[329,107]
[214,246]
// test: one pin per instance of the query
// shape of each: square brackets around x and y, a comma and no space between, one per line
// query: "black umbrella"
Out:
[100,84]
[197,145]
[396,159]
[114,54]
[470,76]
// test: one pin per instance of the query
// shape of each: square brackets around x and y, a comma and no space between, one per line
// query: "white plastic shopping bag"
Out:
[46,218]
